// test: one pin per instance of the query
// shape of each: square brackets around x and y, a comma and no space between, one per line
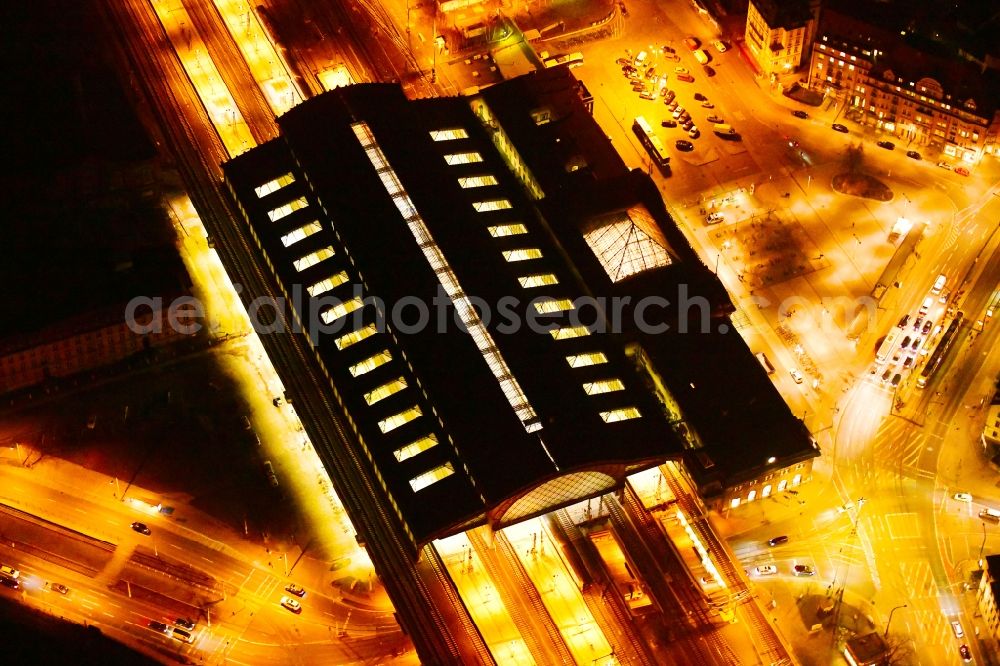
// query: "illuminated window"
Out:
[427,478]
[326,285]
[782,485]
[397,420]
[735,502]
[416,448]
[341,309]
[273,185]
[502,230]
[494,204]
[623,414]
[345,341]
[570,332]
[522,255]
[462,158]
[583,360]
[384,391]
[477,181]
[797,479]
[370,363]
[604,386]
[766,492]
[449,134]
[537,280]
[287,209]
[551,305]
[752,495]
[305,231]
[313,258]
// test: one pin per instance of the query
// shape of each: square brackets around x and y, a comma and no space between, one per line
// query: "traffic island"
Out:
[862,185]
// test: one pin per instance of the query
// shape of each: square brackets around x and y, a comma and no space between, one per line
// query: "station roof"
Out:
[415,204]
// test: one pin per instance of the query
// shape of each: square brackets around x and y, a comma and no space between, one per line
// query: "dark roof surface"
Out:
[493,455]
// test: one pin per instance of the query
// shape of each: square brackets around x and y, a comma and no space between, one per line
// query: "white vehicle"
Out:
[10,573]
[766,570]
[939,284]
[701,57]
[962,497]
[681,70]
[720,46]
[957,628]
[796,375]
[714,218]
[291,604]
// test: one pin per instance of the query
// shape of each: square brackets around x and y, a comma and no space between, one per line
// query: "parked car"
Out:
[694,133]
[796,375]
[645,94]
[297,590]
[944,165]
[800,114]
[914,155]
[668,123]
[701,98]
[693,43]
[141,528]
[906,342]
[715,120]
[185,622]
[157,626]
[927,327]
[684,145]
[720,46]
[888,145]
[686,78]
[839,128]
[961,171]
[687,125]
[886,374]
[803,570]
[681,70]
[963,652]
[766,570]
[896,378]
[291,604]
[709,70]
[777,541]
[669,49]
[707,105]
[916,342]
[962,497]
[669,96]
[714,217]
[902,322]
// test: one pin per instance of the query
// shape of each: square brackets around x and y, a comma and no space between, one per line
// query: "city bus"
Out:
[652,144]
[934,361]
[888,345]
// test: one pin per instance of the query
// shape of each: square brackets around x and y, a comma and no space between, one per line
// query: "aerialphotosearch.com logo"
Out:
[408,315]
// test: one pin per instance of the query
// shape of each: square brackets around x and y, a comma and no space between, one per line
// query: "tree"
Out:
[854,158]
[900,650]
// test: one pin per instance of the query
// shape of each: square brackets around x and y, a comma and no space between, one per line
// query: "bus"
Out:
[888,345]
[652,144]
[934,361]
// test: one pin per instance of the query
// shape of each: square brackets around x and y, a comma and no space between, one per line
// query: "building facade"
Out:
[778,34]
[927,101]
[987,595]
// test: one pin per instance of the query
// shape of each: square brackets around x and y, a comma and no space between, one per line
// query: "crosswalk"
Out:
[897,449]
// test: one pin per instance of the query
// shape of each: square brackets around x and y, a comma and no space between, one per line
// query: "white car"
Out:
[291,604]
[957,628]
[963,497]
[714,217]
[766,570]
[796,375]
[944,165]
[720,46]
[681,70]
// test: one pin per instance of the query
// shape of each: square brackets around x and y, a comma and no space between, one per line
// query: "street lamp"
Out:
[886,634]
